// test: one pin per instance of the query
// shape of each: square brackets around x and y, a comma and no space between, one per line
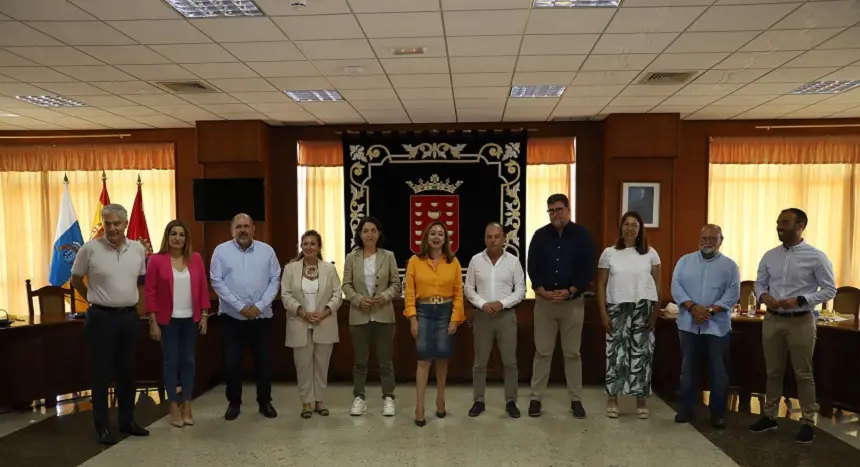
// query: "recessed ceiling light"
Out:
[215,8]
[9,115]
[826,87]
[541,90]
[322,95]
[409,51]
[51,101]
[576,3]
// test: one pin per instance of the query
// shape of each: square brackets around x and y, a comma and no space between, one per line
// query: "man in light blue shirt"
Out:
[792,280]
[705,285]
[245,274]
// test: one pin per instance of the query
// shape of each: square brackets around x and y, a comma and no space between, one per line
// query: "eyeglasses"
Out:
[552,211]
[709,239]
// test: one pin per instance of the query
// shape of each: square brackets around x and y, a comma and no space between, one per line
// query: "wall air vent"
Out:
[667,77]
[185,87]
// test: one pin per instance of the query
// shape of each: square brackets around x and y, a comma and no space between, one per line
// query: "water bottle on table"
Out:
[751,305]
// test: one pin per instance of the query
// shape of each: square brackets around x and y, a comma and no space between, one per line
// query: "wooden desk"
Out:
[837,370]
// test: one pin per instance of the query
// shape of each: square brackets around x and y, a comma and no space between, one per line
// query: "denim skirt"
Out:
[434,342]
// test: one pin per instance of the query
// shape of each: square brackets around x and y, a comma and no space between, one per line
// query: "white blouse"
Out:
[630,277]
[183,307]
[310,290]
[370,274]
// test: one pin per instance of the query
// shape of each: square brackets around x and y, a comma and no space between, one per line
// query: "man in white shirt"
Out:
[495,283]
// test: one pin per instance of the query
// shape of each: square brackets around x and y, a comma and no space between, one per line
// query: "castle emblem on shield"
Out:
[442,204]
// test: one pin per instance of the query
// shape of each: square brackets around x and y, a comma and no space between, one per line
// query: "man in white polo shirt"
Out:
[113,267]
[495,284]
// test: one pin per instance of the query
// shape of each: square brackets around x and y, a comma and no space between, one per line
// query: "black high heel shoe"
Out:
[419,423]
[440,413]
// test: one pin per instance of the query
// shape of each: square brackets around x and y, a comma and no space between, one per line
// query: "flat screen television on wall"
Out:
[219,199]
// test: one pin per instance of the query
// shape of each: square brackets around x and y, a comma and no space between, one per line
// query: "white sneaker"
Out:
[388,407]
[359,407]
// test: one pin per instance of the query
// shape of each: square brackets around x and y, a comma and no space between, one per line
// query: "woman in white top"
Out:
[310,291]
[628,294]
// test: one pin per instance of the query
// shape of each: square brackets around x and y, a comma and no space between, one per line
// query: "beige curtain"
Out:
[29,207]
[324,208]
[85,157]
[746,197]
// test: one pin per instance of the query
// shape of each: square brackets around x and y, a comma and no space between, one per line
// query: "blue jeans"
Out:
[693,347]
[178,342]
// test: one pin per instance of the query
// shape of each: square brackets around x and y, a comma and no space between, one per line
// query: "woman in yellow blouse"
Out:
[434,306]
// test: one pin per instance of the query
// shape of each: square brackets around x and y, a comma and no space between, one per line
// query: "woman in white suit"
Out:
[310,290]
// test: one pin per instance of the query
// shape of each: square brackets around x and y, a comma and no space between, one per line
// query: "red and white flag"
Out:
[137,229]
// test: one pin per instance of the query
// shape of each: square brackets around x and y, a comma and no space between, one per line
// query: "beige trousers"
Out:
[312,362]
[501,327]
[552,319]
[794,336]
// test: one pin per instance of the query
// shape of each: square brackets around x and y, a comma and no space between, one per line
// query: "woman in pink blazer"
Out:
[177,300]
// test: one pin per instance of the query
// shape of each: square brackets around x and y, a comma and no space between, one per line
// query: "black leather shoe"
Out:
[683,417]
[805,435]
[717,421]
[105,437]
[577,409]
[232,412]
[267,410]
[477,409]
[133,429]
[535,409]
[513,411]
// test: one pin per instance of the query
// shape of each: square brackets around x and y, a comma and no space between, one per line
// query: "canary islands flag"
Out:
[67,241]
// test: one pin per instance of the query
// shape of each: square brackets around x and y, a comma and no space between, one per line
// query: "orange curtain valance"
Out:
[786,150]
[550,151]
[321,153]
[72,157]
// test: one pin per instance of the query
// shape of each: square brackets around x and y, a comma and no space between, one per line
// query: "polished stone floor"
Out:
[39,439]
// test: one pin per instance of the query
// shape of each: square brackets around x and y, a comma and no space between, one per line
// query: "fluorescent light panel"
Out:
[826,87]
[542,90]
[51,101]
[215,8]
[312,95]
[576,3]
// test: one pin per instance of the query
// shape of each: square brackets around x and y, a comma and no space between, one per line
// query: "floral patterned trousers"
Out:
[629,349]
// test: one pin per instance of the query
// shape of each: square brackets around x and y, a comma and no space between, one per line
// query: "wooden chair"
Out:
[52,302]
[847,301]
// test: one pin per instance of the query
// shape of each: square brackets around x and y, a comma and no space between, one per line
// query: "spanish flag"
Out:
[98,229]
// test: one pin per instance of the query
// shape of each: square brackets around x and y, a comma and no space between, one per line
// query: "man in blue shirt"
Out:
[245,274]
[706,285]
[792,280]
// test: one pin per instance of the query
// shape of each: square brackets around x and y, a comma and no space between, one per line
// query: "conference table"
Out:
[45,360]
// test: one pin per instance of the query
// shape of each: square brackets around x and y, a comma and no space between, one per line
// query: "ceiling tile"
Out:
[720,89]
[850,96]
[339,67]
[302,117]
[526,115]
[558,44]
[385,116]
[115,121]
[401,24]
[779,108]
[128,87]
[283,69]
[827,107]
[692,61]
[711,41]
[161,121]
[569,63]
[543,103]
[330,110]
[383,6]
[731,76]
[481,79]
[825,58]
[650,90]
[486,92]
[272,97]
[104,101]
[643,20]
[749,100]
[427,93]
[10,59]
[847,40]
[622,62]
[569,21]
[46,115]
[336,49]
[194,53]
[583,102]
[156,72]
[648,101]
[293,84]
[74,89]
[401,66]
[360,82]
[390,104]
[634,43]
[479,115]
[242,85]
[227,108]
[483,46]
[799,99]
[239,29]
[19,34]
[690,100]
[742,17]
[320,27]
[537,78]
[485,23]
[675,109]
[156,99]
[767,88]
[43,10]
[822,15]
[848,73]
[264,51]
[149,32]
[593,91]
[584,78]
[17,89]
[438,80]
[126,9]
[741,60]
[279,107]
[54,56]
[282,8]
[482,64]
[498,103]
[95,73]
[434,46]
[82,32]
[125,54]
[790,39]
[795,75]
[84,112]
[368,94]
[220,70]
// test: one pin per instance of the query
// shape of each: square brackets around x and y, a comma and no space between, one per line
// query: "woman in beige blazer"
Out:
[370,282]
[310,290]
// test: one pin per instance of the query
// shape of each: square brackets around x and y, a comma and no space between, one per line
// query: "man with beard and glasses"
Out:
[706,285]
[792,280]
[245,275]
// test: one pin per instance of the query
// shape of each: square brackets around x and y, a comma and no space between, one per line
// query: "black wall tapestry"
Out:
[464,179]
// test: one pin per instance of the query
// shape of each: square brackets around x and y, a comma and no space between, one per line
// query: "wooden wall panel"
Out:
[232,141]
[641,135]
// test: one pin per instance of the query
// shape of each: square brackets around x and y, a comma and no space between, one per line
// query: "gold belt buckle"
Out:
[435,300]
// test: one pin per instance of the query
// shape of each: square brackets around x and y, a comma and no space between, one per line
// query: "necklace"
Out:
[311,271]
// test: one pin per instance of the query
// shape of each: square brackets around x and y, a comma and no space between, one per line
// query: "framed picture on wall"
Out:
[644,198]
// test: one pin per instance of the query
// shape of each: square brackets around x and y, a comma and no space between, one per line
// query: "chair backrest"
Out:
[747,287]
[52,302]
[847,301]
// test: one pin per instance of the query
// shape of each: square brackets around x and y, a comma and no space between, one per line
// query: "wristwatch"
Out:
[711,310]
